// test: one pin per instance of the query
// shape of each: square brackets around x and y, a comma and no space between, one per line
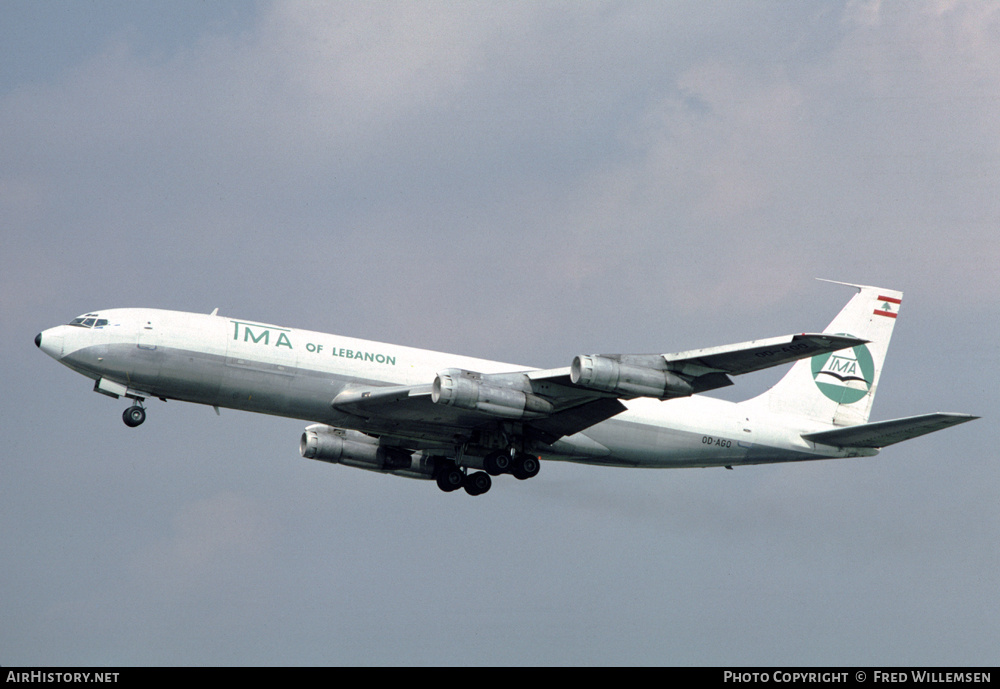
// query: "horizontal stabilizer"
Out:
[883,433]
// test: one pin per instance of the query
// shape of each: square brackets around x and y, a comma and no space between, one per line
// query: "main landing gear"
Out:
[451,477]
[134,415]
[520,464]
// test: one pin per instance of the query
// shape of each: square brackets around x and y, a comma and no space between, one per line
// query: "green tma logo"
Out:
[844,376]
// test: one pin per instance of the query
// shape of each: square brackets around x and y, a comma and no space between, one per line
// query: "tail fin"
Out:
[839,387]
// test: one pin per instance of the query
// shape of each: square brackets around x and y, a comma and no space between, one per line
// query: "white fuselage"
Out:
[237,364]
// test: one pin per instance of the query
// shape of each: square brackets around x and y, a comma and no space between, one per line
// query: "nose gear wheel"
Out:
[134,416]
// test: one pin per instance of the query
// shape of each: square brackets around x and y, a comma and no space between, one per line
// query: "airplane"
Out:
[461,421]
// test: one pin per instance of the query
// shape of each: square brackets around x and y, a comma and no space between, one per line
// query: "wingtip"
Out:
[837,336]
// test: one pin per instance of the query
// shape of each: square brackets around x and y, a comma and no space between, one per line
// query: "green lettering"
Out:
[843,365]
[357,354]
[248,335]
[283,341]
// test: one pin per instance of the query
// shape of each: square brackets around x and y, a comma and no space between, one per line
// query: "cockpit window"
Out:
[89,320]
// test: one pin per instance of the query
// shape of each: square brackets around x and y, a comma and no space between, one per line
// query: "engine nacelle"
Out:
[355,449]
[467,390]
[627,380]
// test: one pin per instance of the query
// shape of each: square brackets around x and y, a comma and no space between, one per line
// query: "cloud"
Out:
[602,141]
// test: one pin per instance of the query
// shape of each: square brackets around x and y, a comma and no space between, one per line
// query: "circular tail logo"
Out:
[845,376]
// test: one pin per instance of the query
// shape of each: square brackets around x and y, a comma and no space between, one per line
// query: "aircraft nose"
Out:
[51,342]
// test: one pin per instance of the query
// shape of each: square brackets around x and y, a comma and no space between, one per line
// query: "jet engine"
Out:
[355,449]
[496,395]
[628,378]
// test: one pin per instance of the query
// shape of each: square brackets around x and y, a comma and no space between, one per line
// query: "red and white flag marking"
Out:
[889,306]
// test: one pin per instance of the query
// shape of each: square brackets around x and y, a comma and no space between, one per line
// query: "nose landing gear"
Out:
[134,415]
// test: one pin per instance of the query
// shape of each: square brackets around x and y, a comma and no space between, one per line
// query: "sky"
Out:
[521,181]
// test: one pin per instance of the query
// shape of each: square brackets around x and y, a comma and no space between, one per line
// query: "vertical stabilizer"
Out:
[839,387]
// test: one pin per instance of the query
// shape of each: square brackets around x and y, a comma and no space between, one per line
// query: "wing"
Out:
[685,373]
[552,403]
[883,433]
[412,412]
[757,355]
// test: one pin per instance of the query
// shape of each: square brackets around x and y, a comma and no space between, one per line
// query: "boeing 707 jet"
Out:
[461,421]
